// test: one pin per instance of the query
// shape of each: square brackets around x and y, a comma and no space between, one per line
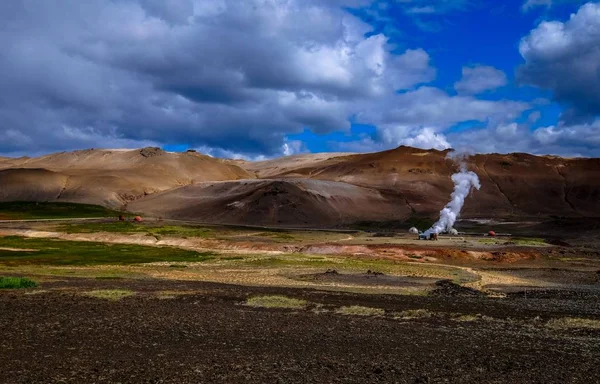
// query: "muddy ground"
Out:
[209,336]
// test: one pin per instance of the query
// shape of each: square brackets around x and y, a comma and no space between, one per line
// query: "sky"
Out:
[257,79]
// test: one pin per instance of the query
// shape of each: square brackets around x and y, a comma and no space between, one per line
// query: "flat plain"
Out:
[169,302]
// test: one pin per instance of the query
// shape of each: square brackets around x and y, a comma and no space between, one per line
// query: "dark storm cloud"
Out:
[223,73]
[565,58]
[227,76]
[172,11]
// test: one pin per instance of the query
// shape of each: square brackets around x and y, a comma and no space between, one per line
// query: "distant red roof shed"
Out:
[137,218]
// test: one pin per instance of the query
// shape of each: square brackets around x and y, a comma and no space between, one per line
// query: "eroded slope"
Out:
[108,177]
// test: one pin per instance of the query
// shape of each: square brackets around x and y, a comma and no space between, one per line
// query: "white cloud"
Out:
[427,139]
[428,106]
[479,79]
[288,148]
[564,57]
[424,7]
[580,140]
[394,136]
[529,4]
[234,78]
[578,136]
[502,138]
[508,130]
[227,154]
[421,10]
[534,116]
[422,118]
[292,147]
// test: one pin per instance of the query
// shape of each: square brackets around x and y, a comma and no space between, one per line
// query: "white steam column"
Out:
[464,181]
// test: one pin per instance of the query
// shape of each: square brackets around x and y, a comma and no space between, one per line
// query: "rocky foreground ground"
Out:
[195,332]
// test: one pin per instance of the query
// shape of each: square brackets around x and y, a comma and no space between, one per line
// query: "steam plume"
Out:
[464,181]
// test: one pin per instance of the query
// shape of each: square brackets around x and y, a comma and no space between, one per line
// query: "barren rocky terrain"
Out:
[207,333]
[165,302]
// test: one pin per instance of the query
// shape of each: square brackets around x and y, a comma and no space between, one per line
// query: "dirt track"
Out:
[209,336]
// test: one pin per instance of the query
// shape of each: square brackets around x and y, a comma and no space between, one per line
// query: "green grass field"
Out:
[22,210]
[31,251]
[16,283]
[131,227]
[160,230]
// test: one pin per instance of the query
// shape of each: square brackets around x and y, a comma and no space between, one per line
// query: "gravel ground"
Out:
[209,336]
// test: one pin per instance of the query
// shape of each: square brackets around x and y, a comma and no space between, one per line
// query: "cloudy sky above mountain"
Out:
[264,78]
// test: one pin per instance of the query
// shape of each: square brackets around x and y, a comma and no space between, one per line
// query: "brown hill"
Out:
[108,177]
[285,165]
[312,190]
[290,202]
[512,185]
[30,184]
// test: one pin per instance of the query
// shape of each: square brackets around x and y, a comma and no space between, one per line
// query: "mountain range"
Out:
[313,190]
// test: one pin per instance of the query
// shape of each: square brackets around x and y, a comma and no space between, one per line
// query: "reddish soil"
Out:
[209,337]
[430,253]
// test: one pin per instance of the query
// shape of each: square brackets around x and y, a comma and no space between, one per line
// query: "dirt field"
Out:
[158,303]
[204,333]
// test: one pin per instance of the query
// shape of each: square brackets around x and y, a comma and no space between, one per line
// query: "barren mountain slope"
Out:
[30,184]
[522,184]
[291,202]
[582,185]
[108,177]
[512,185]
[286,165]
[315,189]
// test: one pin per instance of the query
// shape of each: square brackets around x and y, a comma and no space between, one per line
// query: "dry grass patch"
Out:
[109,294]
[165,295]
[319,308]
[470,318]
[276,301]
[466,318]
[360,311]
[574,323]
[37,292]
[414,314]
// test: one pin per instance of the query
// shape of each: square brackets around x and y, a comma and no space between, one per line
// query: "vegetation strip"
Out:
[360,311]
[16,283]
[574,323]
[26,210]
[276,301]
[109,294]
[78,253]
